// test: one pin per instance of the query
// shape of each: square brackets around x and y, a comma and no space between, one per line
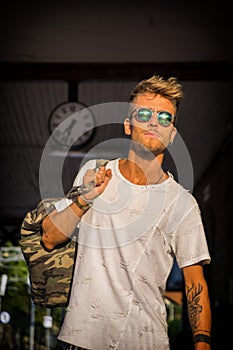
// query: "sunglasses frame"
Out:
[152,113]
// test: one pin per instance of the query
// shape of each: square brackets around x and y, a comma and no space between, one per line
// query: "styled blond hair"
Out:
[157,85]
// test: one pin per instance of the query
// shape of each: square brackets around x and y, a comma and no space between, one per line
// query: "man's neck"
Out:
[142,171]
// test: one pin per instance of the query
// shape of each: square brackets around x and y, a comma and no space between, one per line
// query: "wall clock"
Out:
[79,125]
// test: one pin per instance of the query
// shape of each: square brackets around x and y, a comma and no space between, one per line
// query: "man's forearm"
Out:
[199,314]
[58,227]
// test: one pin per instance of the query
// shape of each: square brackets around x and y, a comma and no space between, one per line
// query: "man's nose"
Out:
[153,121]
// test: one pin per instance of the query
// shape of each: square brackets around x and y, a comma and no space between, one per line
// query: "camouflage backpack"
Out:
[50,272]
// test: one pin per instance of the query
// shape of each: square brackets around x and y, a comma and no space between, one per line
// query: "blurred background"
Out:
[87,53]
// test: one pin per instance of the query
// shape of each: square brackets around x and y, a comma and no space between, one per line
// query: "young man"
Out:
[132,223]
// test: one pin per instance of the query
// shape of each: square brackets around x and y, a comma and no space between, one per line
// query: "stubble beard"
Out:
[148,150]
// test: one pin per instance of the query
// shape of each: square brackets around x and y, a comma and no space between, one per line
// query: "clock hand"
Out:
[66,133]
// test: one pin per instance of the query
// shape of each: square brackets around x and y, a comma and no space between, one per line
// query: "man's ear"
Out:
[127,126]
[173,134]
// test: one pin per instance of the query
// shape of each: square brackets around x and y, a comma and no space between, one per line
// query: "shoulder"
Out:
[180,193]
[183,203]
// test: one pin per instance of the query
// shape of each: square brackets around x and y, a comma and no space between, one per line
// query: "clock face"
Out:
[72,124]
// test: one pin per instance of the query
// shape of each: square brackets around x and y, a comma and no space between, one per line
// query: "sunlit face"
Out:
[151,135]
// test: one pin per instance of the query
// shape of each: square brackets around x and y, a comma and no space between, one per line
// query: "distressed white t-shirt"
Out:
[127,242]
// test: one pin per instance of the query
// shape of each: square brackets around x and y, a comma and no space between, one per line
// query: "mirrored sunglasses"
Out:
[144,114]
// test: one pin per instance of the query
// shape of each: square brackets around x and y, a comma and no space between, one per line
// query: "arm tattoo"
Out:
[194,308]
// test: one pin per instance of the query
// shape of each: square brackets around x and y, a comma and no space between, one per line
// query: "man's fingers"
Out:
[101,175]
[109,173]
[101,187]
[95,182]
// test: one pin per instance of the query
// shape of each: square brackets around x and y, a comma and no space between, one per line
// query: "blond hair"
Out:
[158,85]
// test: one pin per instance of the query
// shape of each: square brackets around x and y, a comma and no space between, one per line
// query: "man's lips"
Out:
[152,134]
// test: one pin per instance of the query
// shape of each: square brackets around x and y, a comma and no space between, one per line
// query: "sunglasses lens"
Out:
[165,118]
[144,114]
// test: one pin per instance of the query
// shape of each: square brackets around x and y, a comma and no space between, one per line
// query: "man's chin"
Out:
[151,151]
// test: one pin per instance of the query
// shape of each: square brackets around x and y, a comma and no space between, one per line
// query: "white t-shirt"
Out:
[127,242]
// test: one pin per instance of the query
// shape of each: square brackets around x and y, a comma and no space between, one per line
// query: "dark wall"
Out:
[214,193]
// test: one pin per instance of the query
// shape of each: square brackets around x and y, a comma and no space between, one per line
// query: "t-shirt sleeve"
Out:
[188,240]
